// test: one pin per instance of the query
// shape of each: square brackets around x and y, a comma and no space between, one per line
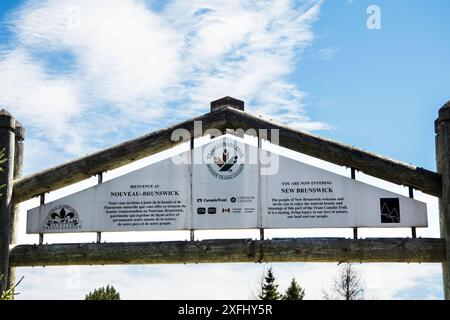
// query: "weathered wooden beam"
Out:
[17,172]
[384,168]
[83,168]
[7,139]
[442,127]
[232,250]
[111,158]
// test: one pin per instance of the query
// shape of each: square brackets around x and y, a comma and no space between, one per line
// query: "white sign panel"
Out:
[303,196]
[225,185]
[157,197]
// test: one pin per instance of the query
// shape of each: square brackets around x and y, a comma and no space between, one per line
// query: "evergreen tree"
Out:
[108,293]
[269,288]
[294,292]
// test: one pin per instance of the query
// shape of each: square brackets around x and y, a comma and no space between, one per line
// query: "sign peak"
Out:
[227,102]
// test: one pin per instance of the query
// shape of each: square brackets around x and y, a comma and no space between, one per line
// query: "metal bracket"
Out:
[353,176]
[413,229]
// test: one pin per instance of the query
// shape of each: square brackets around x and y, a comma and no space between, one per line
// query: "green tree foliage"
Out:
[294,292]
[108,293]
[269,287]
[9,294]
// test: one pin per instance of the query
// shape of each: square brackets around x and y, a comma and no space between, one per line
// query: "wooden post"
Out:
[18,170]
[7,127]
[353,176]
[442,129]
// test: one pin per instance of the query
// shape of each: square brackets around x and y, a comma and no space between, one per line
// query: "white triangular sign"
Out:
[225,184]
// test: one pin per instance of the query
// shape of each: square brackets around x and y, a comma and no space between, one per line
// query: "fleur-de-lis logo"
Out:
[63,216]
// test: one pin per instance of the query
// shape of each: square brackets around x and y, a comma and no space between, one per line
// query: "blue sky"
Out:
[383,87]
[126,70]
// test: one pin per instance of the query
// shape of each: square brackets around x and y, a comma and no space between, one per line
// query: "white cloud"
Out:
[45,104]
[90,66]
[327,53]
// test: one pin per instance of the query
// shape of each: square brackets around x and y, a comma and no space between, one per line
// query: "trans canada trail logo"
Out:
[390,210]
[62,217]
[224,160]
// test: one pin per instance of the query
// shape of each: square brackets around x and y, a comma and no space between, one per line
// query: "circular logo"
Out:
[225,160]
[233,199]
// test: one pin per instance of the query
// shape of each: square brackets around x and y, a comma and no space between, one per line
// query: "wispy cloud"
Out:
[327,53]
[74,67]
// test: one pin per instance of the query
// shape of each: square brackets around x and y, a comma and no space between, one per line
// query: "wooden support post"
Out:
[353,173]
[18,170]
[411,192]
[260,135]
[7,142]
[413,232]
[413,229]
[192,146]
[41,202]
[442,129]
[355,233]
[100,181]
[353,176]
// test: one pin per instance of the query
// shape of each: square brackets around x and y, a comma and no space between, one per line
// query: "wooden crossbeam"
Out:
[381,167]
[77,170]
[232,250]
[83,168]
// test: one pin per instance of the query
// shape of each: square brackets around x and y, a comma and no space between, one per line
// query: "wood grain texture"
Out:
[232,250]
[7,127]
[17,173]
[381,167]
[443,166]
[77,170]
[108,159]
